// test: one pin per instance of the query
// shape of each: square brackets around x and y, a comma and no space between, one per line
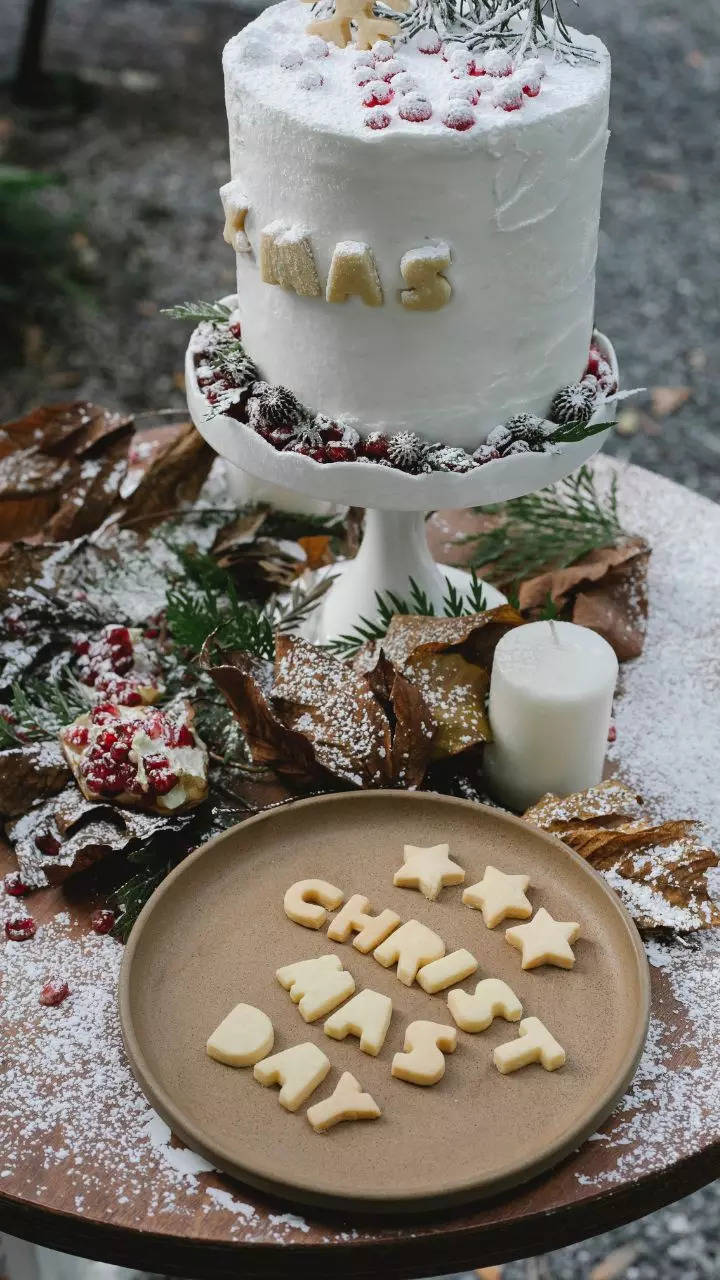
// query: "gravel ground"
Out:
[141,172]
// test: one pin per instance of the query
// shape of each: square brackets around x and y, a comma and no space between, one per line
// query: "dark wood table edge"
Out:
[405,1258]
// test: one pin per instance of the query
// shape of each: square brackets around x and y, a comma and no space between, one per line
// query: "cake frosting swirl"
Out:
[435,272]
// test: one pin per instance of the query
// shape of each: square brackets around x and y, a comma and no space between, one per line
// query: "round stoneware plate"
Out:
[215,932]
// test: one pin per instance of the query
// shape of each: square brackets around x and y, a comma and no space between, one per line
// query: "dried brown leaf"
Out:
[560,583]
[475,635]
[455,691]
[411,723]
[617,608]
[28,774]
[658,869]
[176,474]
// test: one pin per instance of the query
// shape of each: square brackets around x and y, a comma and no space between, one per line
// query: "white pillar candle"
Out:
[551,694]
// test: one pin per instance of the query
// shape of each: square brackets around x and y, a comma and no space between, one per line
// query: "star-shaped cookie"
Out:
[498,896]
[428,870]
[544,941]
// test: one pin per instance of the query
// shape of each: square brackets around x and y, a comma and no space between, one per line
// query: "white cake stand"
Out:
[394,547]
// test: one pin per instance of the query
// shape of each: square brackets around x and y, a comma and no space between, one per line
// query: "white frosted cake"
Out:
[415,224]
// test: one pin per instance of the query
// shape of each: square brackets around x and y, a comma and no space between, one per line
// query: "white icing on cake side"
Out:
[516,197]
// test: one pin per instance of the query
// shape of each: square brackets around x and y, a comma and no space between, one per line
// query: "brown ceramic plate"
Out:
[214,933]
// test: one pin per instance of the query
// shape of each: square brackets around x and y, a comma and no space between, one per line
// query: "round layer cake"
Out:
[415,227]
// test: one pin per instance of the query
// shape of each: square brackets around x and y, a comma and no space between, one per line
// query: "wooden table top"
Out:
[86,1166]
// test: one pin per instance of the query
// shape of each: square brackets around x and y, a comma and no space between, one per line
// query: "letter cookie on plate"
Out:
[243,1037]
[301,898]
[348,1102]
[428,870]
[492,999]
[370,930]
[410,947]
[316,986]
[442,973]
[534,1044]
[498,896]
[544,941]
[367,1015]
[298,1070]
[423,1061]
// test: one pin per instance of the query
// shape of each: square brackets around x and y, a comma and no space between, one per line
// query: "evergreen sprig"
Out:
[520,26]
[41,708]
[211,312]
[390,605]
[550,529]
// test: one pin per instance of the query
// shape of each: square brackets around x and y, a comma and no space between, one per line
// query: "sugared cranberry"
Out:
[387,70]
[80,647]
[459,117]
[415,109]
[376,445]
[508,96]
[612,733]
[48,844]
[15,886]
[236,329]
[376,94]
[307,451]
[20,928]
[54,992]
[119,636]
[102,920]
[340,453]
[382,50]
[428,42]
[377,118]
[365,75]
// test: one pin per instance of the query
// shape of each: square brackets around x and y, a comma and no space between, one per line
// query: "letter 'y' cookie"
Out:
[423,1061]
[348,1102]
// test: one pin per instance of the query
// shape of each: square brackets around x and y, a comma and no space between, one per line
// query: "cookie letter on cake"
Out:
[410,947]
[300,899]
[353,273]
[422,270]
[298,1070]
[316,986]
[287,259]
[235,207]
[367,1016]
[348,1102]
[243,1037]
[534,1044]
[493,998]
[423,1061]
[355,918]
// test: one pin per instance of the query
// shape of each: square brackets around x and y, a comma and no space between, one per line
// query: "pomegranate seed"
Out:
[104,713]
[163,782]
[377,119]
[119,752]
[77,736]
[118,635]
[102,920]
[81,647]
[20,928]
[15,886]
[459,117]
[183,737]
[377,94]
[53,993]
[156,763]
[106,739]
[48,844]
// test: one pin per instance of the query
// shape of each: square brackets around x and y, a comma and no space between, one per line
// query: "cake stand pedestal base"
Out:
[393,554]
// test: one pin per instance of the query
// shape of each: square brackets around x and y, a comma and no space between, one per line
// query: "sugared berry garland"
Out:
[231,385]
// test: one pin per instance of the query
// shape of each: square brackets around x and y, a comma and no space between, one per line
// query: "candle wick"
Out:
[555,633]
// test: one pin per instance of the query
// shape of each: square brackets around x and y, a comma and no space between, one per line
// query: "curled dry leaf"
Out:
[658,869]
[29,774]
[67,834]
[316,721]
